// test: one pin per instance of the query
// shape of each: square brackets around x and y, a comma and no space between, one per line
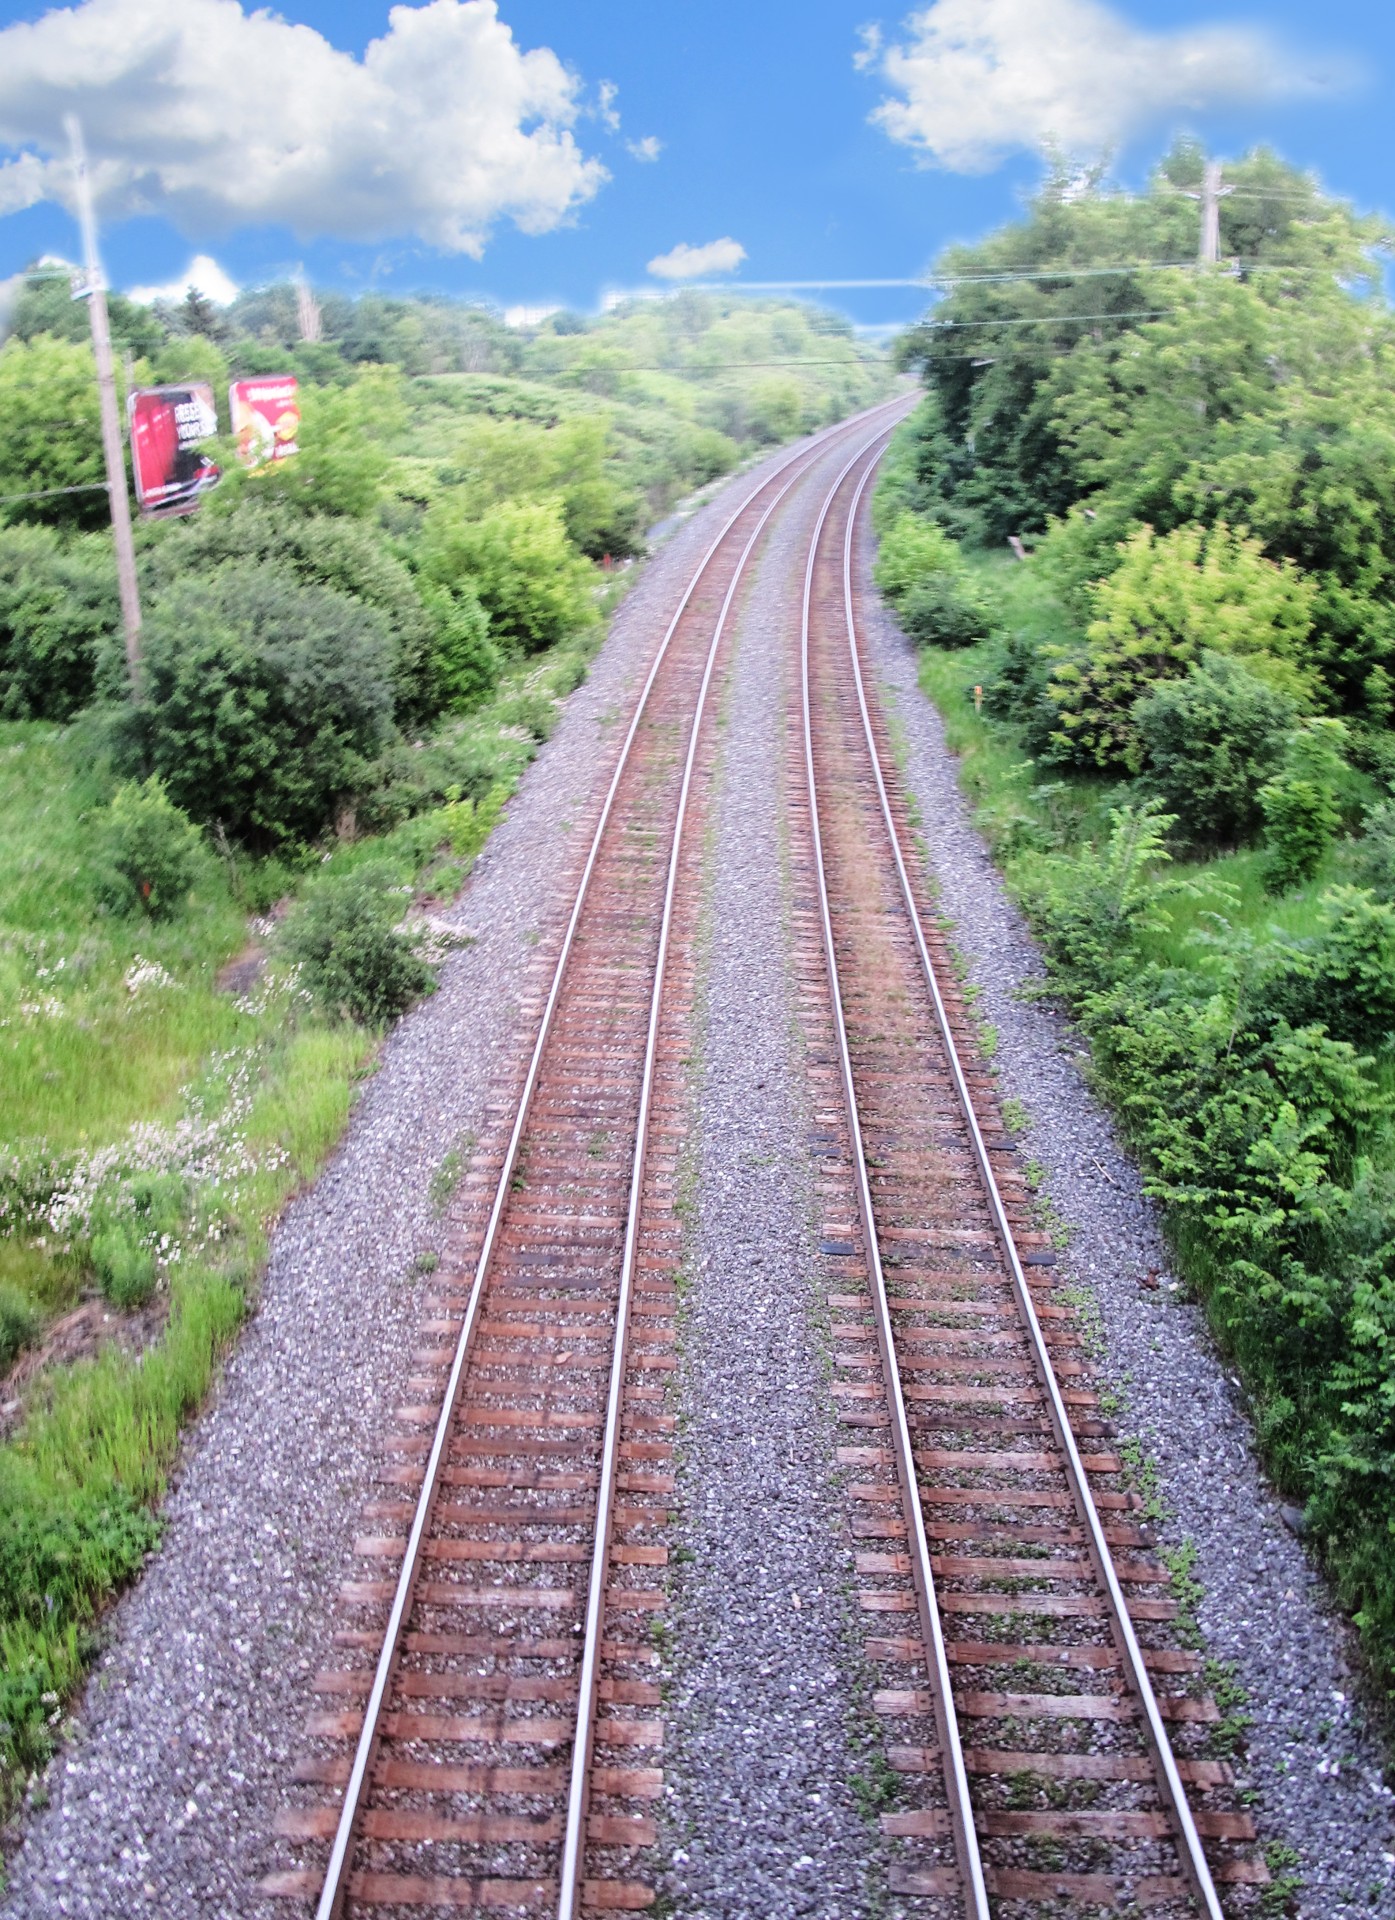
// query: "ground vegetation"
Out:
[1177,725]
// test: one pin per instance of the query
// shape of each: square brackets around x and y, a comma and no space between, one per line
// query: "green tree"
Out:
[148,851]
[1301,807]
[1169,600]
[531,582]
[58,609]
[51,433]
[266,702]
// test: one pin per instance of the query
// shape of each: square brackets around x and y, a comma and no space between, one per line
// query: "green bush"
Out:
[266,702]
[465,663]
[348,556]
[58,605]
[1169,600]
[1300,804]
[19,1323]
[356,962]
[517,559]
[941,611]
[1373,856]
[148,851]
[1208,744]
[911,550]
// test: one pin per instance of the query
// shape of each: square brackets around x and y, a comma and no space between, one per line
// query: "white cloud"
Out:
[528,316]
[202,272]
[217,118]
[649,148]
[975,80]
[608,94]
[690,263]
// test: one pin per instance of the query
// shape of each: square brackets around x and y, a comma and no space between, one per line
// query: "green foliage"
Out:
[58,606]
[344,456]
[52,434]
[356,961]
[149,851]
[943,611]
[517,560]
[265,703]
[1168,601]
[1208,743]
[125,1268]
[910,551]
[348,556]
[45,306]
[1300,805]
[466,663]
[19,1323]
[1373,857]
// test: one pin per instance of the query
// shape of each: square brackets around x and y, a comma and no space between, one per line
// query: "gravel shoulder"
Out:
[162,1801]
[760,1817]
[1314,1759]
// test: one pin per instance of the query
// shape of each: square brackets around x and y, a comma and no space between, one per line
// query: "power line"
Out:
[51,493]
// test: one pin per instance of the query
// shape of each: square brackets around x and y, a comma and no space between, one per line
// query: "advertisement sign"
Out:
[265,418]
[167,426]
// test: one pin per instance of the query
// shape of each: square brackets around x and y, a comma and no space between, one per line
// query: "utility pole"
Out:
[92,288]
[307,309]
[1212,193]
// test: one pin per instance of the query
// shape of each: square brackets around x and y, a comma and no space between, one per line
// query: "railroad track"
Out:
[490,1732]
[1049,1742]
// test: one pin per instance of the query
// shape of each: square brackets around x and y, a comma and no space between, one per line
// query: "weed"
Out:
[446,1179]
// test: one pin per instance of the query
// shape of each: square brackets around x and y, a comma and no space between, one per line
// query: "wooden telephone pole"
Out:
[92,288]
[1211,195]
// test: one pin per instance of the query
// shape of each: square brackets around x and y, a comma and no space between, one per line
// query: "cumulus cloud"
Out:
[974,80]
[691,263]
[215,118]
[202,272]
[649,148]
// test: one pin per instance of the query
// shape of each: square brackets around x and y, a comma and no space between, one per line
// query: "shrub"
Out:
[148,851]
[1169,600]
[58,604]
[1300,805]
[465,662]
[941,611]
[911,550]
[1208,744]
[124,1266]
[265,701]
[320,549]
[517,559]
[356,962]
[1373,856]
[19,1323]
[53,434]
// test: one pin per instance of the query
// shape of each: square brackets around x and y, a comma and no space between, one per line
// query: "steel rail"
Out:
[961,1811]
[335,1887]
[574,1844]
[1193,1859]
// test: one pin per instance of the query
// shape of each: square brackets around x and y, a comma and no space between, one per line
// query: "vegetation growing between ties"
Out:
[1184,755]
[350,660]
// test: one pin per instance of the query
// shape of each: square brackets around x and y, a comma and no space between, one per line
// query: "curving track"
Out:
[1036,1694]
[495,1737]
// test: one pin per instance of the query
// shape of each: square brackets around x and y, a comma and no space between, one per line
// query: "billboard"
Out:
[265,418]
[167,426]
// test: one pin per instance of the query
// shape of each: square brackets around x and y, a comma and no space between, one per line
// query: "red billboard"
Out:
[168,425]
[265,418]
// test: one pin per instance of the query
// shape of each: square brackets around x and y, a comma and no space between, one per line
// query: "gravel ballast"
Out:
[760,1815]
[1313,1758]
[162,1801]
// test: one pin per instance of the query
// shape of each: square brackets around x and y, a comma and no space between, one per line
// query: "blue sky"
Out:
[761,110]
